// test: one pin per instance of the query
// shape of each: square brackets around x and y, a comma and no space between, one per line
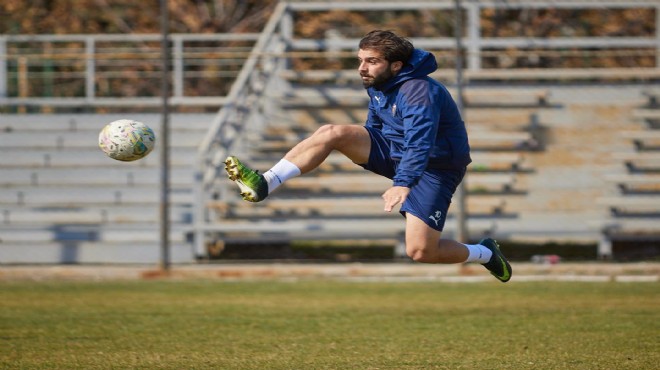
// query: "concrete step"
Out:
[136,232]
[480,139]
[633,227]
[91,157]
[80,139]
[647,202]
[481,161]
[647,113]
[94,122]
[82,176]
[325,95]
[106,214]
[641,135]
[68,196]
[320,228]
[337,206]
[367,182]
[75,252]
[635,179]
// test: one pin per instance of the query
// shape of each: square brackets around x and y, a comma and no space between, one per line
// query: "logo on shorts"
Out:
[436,217]
[394,109]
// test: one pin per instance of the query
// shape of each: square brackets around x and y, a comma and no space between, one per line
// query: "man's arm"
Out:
[420,123]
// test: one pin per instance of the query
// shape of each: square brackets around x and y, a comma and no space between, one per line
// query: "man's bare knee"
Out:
[330,133]
[351,140]
[420,253]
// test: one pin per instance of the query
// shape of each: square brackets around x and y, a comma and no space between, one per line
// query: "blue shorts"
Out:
[430,198]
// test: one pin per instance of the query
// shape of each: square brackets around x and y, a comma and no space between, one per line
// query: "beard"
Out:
[377,80]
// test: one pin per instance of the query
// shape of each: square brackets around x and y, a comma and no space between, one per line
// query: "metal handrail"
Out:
[241,83]
[85,62]
[85,57]
[219,141]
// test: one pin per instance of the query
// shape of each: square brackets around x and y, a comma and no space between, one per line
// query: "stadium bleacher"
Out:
[634,208]
[340,190]
[567,155]
[59,192]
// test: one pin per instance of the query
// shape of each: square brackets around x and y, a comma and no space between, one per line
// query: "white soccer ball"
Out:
[126,140]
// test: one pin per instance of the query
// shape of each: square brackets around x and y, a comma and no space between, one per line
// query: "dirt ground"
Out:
[596,271]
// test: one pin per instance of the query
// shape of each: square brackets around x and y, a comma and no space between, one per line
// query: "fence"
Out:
[122,70]
[117,70]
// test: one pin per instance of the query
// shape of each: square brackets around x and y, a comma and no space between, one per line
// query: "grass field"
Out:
[328,325]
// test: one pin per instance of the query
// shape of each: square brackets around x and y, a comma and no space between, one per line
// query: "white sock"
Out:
[280,172]
[478,253]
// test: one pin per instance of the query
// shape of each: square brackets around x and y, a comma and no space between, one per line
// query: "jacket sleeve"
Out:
[420,123]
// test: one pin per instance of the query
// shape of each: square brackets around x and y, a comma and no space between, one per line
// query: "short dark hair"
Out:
[393,47]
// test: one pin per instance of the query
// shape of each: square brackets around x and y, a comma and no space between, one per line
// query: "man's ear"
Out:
[396,66]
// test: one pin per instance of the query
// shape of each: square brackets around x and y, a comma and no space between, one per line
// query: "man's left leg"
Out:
[424,244]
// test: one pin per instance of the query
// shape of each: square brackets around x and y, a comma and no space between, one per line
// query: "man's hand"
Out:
[395,195]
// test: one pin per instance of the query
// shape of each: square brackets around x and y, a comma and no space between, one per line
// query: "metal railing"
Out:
[116,70]
[240,113]
[122,69]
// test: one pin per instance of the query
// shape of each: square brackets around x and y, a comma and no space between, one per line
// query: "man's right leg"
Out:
[351,140]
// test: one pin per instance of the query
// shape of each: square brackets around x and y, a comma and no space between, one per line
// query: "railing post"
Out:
[461,217]
[286,36]
[657,36]
[474,36]
[90,69]
[199,218]
[23,83]
[178,67]
[3,67]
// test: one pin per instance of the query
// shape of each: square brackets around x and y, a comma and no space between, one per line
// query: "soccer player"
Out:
[414,135]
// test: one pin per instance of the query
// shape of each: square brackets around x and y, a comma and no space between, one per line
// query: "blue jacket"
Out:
[420,119]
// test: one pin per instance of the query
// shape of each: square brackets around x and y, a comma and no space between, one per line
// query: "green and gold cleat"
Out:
[498,264]
[254,187]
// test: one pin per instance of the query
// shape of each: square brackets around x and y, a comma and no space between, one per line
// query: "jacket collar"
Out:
[421,64]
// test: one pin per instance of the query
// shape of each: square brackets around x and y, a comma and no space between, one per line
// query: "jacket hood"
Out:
[421,64]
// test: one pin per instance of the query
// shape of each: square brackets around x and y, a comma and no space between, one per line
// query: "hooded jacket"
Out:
[420,119]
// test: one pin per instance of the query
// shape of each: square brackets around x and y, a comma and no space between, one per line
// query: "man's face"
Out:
[374,69]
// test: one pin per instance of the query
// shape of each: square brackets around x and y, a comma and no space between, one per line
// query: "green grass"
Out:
[328,325]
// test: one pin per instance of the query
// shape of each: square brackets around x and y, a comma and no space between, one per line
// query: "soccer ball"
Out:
[126,140]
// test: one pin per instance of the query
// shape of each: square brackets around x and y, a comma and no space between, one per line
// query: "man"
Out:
[414,135]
